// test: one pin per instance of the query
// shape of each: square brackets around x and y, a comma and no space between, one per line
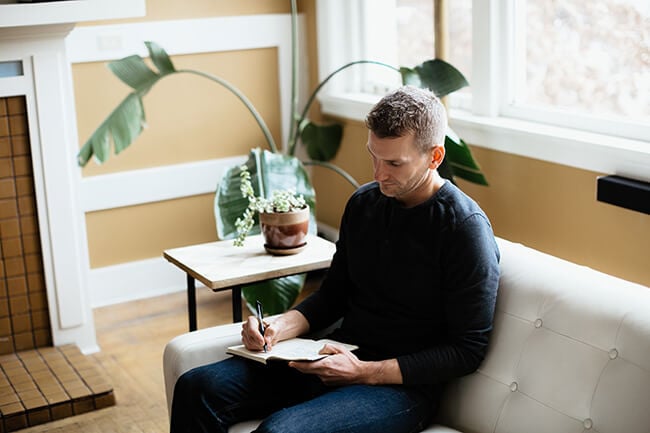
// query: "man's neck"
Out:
[425,191]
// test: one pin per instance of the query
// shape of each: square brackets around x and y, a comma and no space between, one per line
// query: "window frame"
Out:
[492,121]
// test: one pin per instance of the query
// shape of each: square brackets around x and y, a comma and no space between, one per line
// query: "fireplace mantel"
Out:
[33,16]
[33,36]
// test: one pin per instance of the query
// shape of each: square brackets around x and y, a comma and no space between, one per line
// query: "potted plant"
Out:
[275,168]
[283,218]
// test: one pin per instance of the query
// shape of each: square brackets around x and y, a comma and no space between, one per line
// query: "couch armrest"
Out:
[194,349]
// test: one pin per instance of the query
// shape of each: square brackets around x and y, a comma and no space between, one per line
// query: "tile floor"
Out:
[46,384]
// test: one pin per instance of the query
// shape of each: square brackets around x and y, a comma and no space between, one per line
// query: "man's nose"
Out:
[380,172]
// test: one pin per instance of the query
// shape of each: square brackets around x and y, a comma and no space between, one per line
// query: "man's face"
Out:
[399,167]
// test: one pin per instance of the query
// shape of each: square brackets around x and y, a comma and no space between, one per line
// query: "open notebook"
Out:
[295,349]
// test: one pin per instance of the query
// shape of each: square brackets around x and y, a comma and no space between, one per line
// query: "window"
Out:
[574,70]
[586,57]
[581,64]
[11,69]
[416,38]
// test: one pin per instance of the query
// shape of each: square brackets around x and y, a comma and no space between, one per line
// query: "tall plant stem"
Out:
[243,99]
[294,69]
[334,168]
[293,138]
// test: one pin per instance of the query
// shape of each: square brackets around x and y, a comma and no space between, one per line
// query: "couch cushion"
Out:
[569,352]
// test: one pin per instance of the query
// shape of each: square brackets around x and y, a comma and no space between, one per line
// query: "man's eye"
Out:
[394,164]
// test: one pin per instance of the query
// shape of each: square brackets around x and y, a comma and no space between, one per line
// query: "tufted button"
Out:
[613,354]
[538,323]
[513,386]
[588,423]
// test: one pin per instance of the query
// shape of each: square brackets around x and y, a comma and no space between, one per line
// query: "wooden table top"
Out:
[221,265]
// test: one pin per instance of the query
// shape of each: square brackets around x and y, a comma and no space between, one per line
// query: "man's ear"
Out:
[437,155]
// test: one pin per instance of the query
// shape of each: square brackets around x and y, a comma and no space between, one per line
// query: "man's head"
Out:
[410,110]
[406,144]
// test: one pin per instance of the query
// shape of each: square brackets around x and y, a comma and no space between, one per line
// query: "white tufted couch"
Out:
[570,353]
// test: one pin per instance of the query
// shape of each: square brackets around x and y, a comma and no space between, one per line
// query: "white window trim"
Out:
[483,126]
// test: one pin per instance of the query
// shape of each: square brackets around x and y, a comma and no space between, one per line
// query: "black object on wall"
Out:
[621,191]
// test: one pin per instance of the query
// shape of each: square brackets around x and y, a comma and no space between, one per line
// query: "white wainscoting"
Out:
[150,185]
[134,280]
[153,277]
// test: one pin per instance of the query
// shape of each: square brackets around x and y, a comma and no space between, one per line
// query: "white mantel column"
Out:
[46,83]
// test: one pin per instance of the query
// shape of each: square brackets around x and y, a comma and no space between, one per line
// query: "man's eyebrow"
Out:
[387,160]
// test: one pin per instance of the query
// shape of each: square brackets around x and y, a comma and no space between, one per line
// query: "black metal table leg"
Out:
[236,304]
[191,301]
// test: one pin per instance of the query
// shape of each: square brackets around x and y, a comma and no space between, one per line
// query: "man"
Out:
[414,280]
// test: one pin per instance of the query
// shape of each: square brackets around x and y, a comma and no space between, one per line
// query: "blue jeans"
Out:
[213,397]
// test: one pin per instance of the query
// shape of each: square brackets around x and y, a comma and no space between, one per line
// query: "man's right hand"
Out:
[251,337]
[288,325]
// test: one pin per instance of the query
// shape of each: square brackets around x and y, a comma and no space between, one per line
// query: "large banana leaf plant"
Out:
[272,168]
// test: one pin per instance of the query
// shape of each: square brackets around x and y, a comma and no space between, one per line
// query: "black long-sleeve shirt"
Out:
[416,284]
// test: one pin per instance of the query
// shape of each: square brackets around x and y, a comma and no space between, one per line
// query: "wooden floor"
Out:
[132,337]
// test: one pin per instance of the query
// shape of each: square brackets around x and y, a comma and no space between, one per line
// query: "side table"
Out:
[222,266]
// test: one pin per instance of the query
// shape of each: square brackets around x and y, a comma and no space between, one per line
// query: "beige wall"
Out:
[140,232]
[554,208]
[547,206]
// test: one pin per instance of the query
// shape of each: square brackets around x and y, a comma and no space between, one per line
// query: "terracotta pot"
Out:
[285,232]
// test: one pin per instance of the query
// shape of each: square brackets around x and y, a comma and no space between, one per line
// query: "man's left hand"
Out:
[342,367]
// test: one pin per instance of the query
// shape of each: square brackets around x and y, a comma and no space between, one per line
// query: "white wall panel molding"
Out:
[134,187]
[190,36]
[34,15]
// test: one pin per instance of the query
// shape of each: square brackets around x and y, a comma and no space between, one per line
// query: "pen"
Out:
[260,317]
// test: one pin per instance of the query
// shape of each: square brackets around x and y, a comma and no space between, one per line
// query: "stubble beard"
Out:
[397,190]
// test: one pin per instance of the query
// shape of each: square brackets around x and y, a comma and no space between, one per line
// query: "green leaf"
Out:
[229,203]
[322,141]
[86,152]
[134,72]
[101,147]
[446,171]
[127,123]
[277,295]
[160,58]
[458,152]
[269,171]
[469,175]
[436,75]
[460,161]
[122,127]
[410,77]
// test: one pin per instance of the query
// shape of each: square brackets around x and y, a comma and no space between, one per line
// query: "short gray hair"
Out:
[410,110]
